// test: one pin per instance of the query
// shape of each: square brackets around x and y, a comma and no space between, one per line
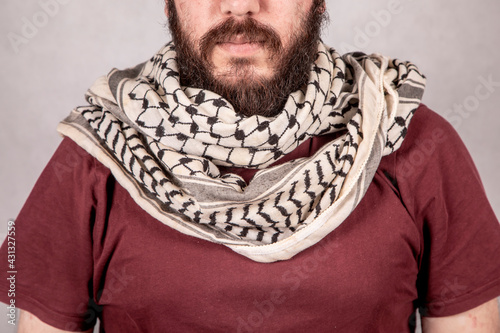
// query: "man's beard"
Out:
[251,94]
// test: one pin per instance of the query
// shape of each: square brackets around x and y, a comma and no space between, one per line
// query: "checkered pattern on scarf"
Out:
[169,141]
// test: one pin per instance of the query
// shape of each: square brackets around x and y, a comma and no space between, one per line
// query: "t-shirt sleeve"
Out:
[441,188]
[53,243]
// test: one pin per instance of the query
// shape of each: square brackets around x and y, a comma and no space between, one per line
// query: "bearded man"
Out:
[249,178]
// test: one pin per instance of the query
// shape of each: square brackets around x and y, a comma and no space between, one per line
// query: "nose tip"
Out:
[240,7]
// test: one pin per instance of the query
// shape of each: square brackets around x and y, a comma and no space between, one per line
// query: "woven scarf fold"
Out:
[165,144]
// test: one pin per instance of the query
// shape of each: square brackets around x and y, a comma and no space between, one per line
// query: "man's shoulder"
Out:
[431,142]
[71,162]
[428,133]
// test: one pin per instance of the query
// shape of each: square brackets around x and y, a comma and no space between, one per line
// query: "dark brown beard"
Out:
[252,94]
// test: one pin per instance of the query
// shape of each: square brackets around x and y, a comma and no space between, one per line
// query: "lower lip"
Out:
[241,50]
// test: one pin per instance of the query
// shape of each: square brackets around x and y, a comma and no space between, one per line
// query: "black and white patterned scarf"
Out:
[165,143]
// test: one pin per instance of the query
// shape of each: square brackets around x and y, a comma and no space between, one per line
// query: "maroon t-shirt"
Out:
[423,236]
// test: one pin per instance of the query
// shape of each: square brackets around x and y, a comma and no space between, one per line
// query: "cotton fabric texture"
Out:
[85,249]
[165,144]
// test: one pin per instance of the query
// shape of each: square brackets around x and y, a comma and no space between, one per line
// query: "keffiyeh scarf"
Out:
[166,143]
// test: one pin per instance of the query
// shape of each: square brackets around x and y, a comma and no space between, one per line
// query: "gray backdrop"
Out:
[53,50]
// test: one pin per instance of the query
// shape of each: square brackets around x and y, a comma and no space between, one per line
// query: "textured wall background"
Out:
[53,50]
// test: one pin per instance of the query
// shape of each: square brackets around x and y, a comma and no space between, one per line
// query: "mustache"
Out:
[249,29]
